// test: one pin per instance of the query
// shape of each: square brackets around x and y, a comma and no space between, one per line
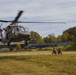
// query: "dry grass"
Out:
[45,64]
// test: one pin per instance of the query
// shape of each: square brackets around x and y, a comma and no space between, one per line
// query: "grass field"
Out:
[37,63]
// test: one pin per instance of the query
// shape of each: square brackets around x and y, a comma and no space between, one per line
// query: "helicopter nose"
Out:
[24,36]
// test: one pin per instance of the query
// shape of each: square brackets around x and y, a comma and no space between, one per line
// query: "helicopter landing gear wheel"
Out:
[8,44]
[26,44]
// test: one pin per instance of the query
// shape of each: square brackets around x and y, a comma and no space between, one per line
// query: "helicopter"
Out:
[15,32]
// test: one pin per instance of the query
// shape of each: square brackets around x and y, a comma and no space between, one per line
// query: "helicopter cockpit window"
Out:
[13,31]
[22,29]
[26,29]
[17,29]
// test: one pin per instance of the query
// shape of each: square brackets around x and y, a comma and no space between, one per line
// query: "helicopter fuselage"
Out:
[15,33]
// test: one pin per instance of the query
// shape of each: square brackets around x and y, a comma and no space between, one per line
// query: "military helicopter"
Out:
[15,32]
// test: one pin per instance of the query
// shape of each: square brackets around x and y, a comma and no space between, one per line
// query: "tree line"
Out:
[68,35]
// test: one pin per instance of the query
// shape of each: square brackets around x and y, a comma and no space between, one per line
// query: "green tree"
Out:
[50,38]
[35,37]
[59,38]
[65,37]
[40,40]
[46,40]
[71,32]
[71,36]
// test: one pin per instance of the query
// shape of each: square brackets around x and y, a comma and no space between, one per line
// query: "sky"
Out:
[41,11]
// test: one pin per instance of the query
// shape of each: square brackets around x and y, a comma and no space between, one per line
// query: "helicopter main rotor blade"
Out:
[5,21]
[40,22]
[17,17]
[31,22]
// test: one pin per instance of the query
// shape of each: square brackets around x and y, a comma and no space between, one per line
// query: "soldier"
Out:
[59,51]
[54,51]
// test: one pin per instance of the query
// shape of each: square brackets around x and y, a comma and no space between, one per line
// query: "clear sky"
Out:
[41,10]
